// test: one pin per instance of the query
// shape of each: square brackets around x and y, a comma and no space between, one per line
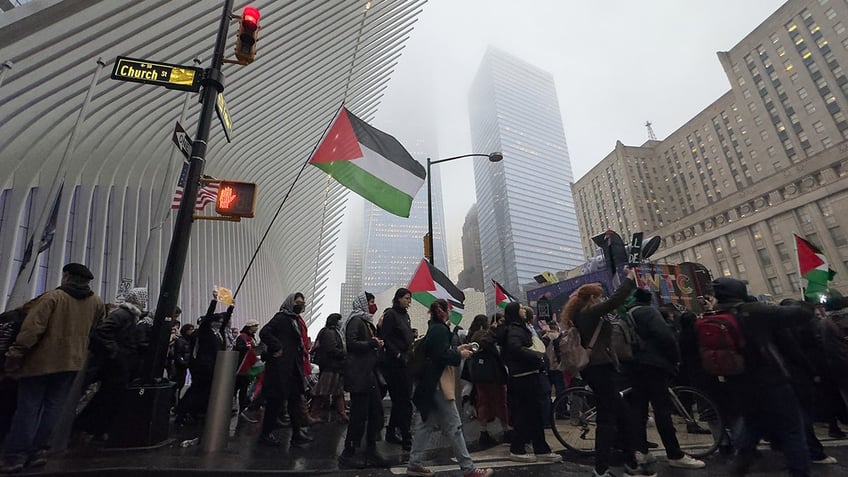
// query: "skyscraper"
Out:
[471,275]
[525,209]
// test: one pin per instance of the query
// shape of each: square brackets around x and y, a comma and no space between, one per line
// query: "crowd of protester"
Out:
[505,368]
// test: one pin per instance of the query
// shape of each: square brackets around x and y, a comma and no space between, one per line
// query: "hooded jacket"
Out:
[657,343]
[54,337]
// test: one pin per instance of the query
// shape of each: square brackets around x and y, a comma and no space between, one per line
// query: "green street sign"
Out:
[185,78]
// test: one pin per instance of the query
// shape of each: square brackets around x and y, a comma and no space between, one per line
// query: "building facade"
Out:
[768,159]
[471,275]
[525,207]
[97,188]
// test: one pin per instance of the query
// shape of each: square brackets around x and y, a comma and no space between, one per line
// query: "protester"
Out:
[245,344]
[524,356]
[181,352]
[488,374]
[284,381]
[587,310]
[48,352]
[656,360]
[331,356]
[363,380]
[434,397]
[396,332]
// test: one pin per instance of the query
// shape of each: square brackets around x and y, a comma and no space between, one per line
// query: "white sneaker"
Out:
[522,457]
[646,458]
[605,474]
[686,462]
[551,457]
[826,460]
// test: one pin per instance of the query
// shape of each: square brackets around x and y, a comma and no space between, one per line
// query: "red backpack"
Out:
[720,343]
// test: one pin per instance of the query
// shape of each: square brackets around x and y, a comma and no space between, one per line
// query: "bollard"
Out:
[219,410]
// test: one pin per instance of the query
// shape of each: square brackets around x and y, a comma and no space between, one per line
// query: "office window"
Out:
[752,106]
[764,135]
[839,28]
[802,93]
[746,94]
[823,2]
[827,142]
[763,255]
[774,286]
[794,282]
[725,268]
[740,264]
[758,121]
[772,151]
[830,14]
[783,252]
[804,217]
[838,236]
[809,108]
[818,126]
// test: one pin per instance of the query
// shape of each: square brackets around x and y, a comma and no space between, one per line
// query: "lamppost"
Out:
[493,157]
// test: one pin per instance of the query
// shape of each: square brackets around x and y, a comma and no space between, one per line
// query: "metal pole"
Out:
[430,214]
[217,426]
[213,83]
[21,290]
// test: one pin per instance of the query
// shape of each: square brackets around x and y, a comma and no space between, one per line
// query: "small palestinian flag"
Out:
[502,297]
[813,267]
[429,284]
[369,162]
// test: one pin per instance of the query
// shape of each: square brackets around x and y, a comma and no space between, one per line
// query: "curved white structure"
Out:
[120,177]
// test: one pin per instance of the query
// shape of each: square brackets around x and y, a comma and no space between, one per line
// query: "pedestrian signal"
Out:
[247,35]
[236,199]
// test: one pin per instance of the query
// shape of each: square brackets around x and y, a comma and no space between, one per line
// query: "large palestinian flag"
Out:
[502,297]
[369,162]
[429,284]
[813,267]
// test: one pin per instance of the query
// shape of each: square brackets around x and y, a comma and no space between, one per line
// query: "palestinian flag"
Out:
[369,162]
[502,297]
[813,267]
[429,284]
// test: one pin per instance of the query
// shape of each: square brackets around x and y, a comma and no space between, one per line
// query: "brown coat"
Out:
[54,335]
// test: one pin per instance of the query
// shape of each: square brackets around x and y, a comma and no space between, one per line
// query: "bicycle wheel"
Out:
[573,420]
[697,421]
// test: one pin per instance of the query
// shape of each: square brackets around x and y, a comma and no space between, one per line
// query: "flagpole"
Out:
[798,265]
[280,208]
[163,212]
[21,288]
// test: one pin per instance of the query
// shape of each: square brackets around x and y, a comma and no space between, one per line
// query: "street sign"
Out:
[224,116]
[182,140]
[186,78]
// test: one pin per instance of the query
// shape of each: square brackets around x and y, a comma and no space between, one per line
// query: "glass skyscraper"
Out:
[526,211]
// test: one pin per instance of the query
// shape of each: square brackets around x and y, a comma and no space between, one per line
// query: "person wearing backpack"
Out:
[762,390]
[655,361]
[48,352]
[587,310]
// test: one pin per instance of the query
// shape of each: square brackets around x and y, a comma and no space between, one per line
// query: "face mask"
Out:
[297,309]
[372,308]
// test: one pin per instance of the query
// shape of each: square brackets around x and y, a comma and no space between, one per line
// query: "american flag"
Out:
[206,195]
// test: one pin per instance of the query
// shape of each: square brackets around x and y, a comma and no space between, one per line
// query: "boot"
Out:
[374,459]
[341,409]
[308,420]
[350,459]
[317,406]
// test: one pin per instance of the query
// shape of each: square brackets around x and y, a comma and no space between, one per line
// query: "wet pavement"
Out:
[245,457]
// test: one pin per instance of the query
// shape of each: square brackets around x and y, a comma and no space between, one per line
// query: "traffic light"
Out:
[428,253]
[236,199]
[247,35]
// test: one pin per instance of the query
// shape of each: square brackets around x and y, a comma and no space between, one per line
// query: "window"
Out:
[751,106]
[764,135]
[830,14]
[793,281]
[823,2]
[804,217]
[740,264]
[725,268]
[827,142]
[809,108]
[758,121]
[838,236]
[763,255]
[839,28]
[783,252]
[746,94]
[788,64]
[794,78]
[755,231]
[802,93]
[771,151]
[818,126]
[774,286]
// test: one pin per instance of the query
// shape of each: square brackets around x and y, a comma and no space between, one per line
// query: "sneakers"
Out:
[826,460]
[39,459]
[12,464]
[605,474]
[550,457]
[479,473]
[646,458]
[686,462]
[416,471]
[524,457]
[641,470]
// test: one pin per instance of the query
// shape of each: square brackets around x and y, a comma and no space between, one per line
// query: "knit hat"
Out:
[729,289]
[643,296]
[137,297]
[79,270]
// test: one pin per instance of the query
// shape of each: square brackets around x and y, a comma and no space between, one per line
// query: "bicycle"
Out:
[573,420]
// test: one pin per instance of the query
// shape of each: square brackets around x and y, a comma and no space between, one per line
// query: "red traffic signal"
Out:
[248,34]
[236,199]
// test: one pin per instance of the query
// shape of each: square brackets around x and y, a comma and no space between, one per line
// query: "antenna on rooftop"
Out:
[651,135]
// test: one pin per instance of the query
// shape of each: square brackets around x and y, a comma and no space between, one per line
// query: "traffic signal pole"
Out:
[169,291]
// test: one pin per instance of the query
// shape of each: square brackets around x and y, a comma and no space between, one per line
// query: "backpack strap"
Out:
[595,334]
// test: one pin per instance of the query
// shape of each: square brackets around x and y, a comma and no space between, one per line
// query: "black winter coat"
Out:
[363,355]
[182,351]
[517,355]
[283,373]
[396,331]
[657,343]
[331,352]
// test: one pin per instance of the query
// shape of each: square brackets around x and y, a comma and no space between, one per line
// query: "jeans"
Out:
[614,416]
[40,402]
[444,417]
[650,385]
[526,394]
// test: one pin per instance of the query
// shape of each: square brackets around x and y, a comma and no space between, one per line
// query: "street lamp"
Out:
[493,157]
